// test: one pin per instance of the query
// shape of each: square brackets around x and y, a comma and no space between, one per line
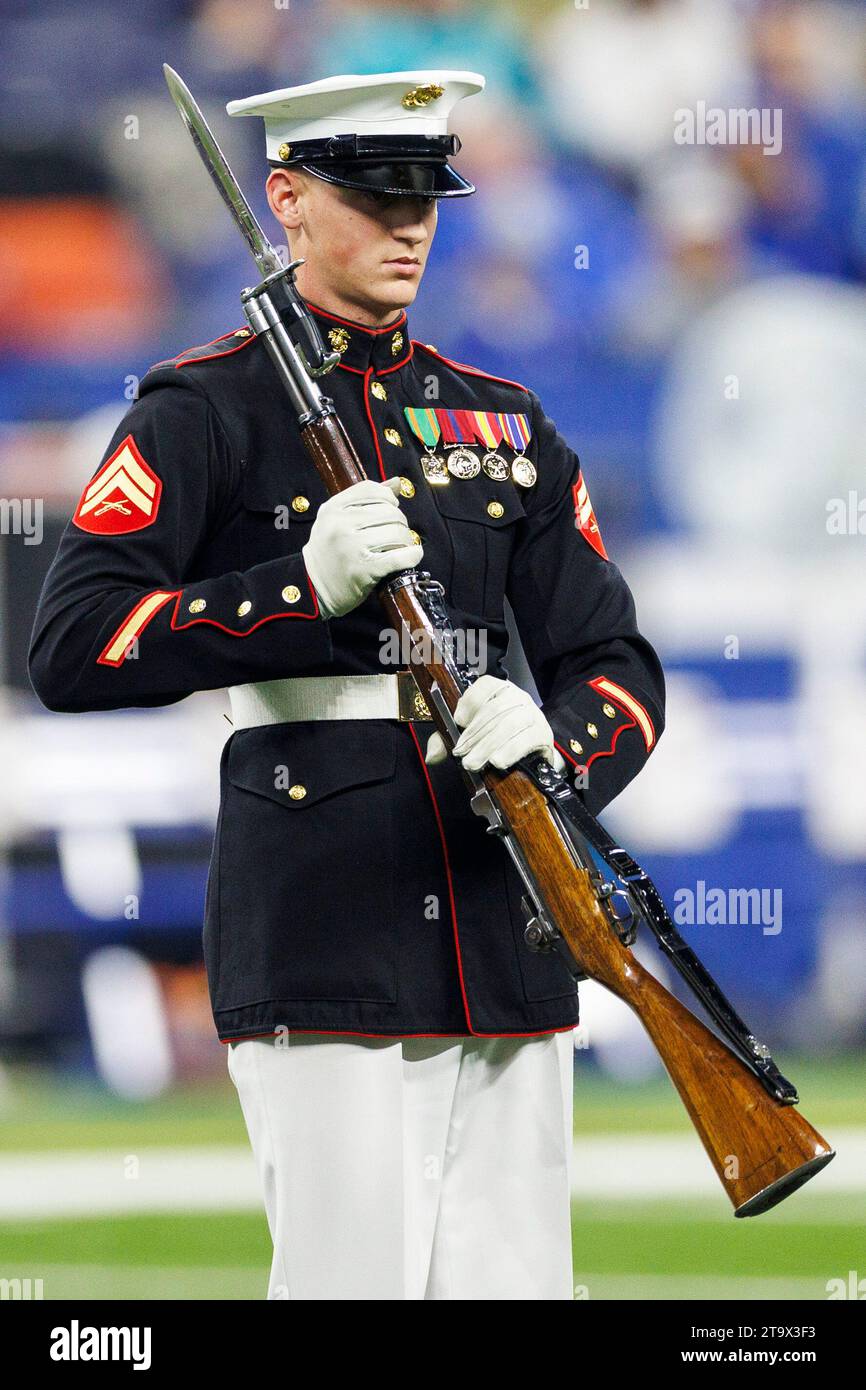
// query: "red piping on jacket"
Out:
[351,323]
[601,685]
[602,752]
[368,373]
[447,862]
[367,376]
[270,617]
[377,332]
[464,367]
[176,361]
[177,594]
[352,1033]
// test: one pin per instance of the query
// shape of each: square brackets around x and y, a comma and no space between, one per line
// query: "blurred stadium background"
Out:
[694,318]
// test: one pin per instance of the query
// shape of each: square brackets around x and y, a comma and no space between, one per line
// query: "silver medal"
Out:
[463,463]
[495,466]
[523,470]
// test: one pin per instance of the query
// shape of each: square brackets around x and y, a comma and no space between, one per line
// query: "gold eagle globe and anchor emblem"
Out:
[339,339]
[422,96]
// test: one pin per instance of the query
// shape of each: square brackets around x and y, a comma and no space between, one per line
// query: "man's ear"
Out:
[285,190]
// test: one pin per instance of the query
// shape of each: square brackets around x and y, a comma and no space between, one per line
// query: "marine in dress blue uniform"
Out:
[351,889]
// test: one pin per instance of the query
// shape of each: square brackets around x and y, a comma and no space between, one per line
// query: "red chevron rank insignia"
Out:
[584,517]
[124,495]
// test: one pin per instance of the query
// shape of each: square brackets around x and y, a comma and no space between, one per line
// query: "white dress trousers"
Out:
[412,1168]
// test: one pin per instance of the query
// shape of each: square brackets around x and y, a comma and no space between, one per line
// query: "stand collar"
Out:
[360,348]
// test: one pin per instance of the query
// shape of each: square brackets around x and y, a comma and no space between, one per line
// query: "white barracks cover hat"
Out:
[385,132]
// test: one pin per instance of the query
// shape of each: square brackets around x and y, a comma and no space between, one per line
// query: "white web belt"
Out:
[327,697]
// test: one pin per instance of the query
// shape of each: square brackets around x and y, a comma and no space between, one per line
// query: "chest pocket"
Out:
[277,513]
[482,519]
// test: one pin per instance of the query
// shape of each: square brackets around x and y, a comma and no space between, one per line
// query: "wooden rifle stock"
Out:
[761,1150]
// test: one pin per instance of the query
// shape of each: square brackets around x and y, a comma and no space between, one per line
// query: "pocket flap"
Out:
[300,764]
[264,490]
[480,499]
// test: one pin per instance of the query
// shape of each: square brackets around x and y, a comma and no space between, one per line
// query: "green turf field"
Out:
[633,1249]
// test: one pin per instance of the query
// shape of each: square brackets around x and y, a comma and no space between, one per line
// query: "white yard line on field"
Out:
[675,1166]
[206,1178]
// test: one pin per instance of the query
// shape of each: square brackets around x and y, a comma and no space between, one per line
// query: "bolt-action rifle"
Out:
[739,1102]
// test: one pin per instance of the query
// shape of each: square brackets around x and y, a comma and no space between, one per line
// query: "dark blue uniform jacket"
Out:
[375,903]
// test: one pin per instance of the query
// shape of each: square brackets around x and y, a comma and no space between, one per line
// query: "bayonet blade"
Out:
[265,254]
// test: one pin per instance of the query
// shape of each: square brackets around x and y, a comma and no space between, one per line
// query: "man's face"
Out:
[364,249]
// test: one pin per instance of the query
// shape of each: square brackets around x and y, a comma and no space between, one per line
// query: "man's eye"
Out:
[380,199]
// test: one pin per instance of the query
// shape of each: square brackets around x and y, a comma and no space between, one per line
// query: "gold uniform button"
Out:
[198,605]
[609,710]
[495,509]
[592,730]
[291,593]
[284,151]
[244,608]
[393,436]
[407,487]
[416,539]
[297,792]
[379,391]
[575,746]
[300,504]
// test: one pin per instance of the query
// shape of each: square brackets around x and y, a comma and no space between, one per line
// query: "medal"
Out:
[455,431]
[463,463]
[523,470]
[435,470]
[517,432]
[495,466]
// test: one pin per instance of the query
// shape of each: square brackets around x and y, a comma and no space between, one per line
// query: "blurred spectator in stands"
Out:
[615,72]
[396,35]
[764,416]
[695,208]
[225,51]
[810,61]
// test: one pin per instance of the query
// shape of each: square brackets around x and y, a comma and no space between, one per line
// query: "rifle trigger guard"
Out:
[624,921]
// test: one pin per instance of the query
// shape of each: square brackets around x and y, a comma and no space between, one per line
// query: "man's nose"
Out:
[409,220]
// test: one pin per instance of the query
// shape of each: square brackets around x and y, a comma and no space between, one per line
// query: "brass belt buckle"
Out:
[411,704]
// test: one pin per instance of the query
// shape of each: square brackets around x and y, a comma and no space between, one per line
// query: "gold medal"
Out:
[435,470]
[463,463]
[495,466]
[523,470]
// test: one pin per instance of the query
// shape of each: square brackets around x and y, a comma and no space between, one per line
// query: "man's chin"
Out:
[397,292]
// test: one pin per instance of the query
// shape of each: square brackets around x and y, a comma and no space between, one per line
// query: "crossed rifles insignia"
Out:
[124,495]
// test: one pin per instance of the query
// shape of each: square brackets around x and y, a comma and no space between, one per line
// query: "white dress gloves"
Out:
[358,537]
[501,723]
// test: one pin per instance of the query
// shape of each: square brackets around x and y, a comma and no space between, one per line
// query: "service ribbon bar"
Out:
[453,429]
[423,424]
[516,430]
[488,427]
